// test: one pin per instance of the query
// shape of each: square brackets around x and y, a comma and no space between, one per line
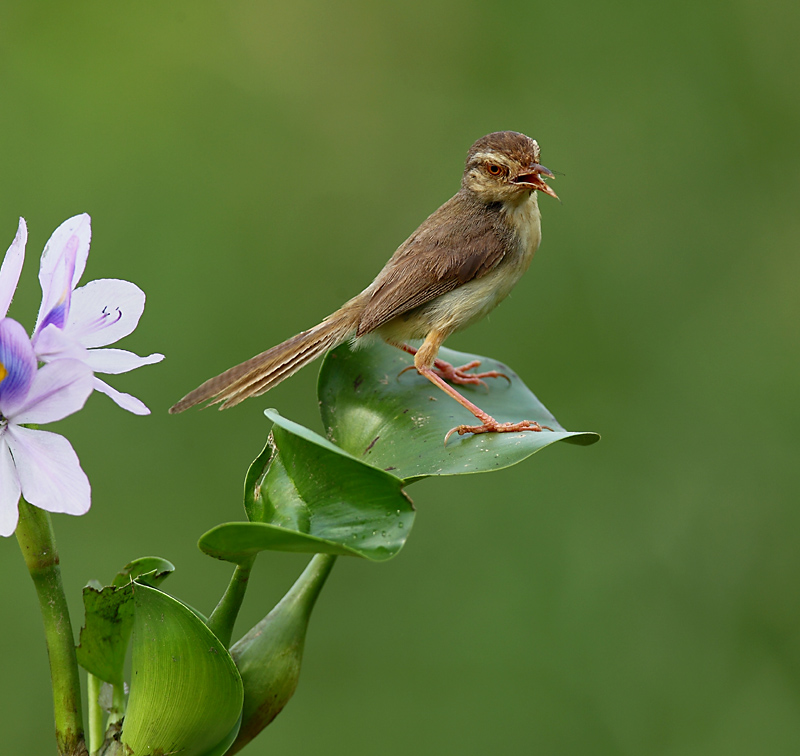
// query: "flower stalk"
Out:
[37,542]
[95,714]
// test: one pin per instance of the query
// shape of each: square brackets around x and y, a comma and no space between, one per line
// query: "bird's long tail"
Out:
[265,370]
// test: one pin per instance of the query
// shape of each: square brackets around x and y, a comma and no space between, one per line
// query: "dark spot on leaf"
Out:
[372,443]
[357,382]
[387,469]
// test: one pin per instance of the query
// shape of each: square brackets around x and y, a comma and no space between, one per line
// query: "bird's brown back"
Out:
[461,241]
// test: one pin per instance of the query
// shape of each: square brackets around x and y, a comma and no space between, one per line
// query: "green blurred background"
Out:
[252,164]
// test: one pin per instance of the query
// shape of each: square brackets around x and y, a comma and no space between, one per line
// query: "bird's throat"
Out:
[524,221]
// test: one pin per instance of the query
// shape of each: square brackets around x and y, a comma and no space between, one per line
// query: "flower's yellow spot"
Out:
[3,372]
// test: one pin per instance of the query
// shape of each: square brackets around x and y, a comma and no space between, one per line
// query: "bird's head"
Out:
[504,167]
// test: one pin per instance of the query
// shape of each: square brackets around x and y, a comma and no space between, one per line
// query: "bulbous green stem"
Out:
[223,617]
[37,542]
[269,655]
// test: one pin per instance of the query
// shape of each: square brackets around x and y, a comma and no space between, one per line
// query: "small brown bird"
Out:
[452,271]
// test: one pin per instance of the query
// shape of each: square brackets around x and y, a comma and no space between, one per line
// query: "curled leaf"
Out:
[311,496]
[186,693]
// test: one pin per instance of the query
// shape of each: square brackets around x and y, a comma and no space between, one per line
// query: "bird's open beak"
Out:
[534,178]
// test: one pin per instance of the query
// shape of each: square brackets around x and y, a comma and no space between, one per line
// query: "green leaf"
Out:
[254,501]
[186,693]
[109,617]
[311,496]
[398,422]
[150,570]
[104,636]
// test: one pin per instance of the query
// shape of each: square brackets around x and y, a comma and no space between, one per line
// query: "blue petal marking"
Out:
[17,361]
[57,316]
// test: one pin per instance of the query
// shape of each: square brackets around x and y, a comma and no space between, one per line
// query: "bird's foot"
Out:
[460,376]
[492,426]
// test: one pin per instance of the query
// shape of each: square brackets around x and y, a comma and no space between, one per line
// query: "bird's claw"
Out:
[460,375]
[495,427]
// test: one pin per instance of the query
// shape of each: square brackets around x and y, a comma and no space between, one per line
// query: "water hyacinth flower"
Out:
[40,465]
[76,323]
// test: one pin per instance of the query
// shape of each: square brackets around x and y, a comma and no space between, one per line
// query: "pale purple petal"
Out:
[58,389]
[126,401]
[79,226]
[51,343]
[12,267]
[115,361]
[50,473]
[63,262]
[17,365]
[9,489]
[104,311]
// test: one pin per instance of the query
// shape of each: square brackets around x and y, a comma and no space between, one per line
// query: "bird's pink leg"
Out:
[425,363]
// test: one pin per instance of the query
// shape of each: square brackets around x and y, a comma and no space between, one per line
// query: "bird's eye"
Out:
[494,169]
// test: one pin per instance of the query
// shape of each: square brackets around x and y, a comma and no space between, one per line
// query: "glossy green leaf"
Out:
[312,496]
[186,693]
[398,422]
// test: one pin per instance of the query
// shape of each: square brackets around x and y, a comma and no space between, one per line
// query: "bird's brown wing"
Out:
[443,254]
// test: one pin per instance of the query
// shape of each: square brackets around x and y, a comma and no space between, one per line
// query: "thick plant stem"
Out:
[37,541]
[95,713]
[224,615]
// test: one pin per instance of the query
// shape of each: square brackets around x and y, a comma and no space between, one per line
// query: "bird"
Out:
[460,263]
